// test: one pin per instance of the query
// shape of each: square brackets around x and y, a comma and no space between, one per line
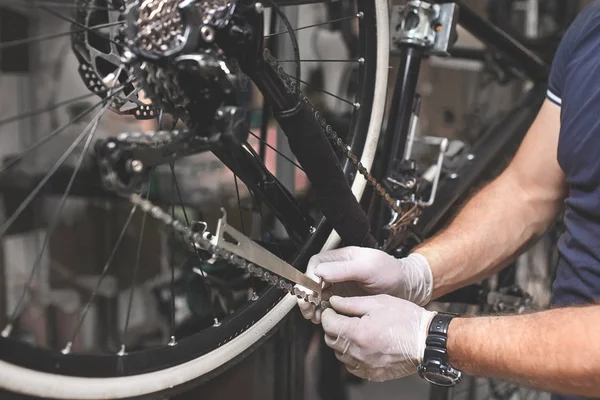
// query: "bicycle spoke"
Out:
[67,348]
[262,218]
[187,221]
[85,28]
[237,192]
[50,231]
[172,342]
[321,61]
[54,133]
[57,105]
[56,4]
[159,119]
[359,15]
[277,151]
[262,153]
[355,105]
[20,42]
[4,227]
[134,279]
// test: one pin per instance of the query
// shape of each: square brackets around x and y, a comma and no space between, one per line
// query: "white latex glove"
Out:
[357,271]
[383,337]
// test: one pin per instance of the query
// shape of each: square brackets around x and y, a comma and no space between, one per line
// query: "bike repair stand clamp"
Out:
[420,23]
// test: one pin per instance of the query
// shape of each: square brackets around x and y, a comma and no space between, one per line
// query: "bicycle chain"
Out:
[331,134]
[203,241]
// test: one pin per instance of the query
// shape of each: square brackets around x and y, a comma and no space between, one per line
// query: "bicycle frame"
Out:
[499,141]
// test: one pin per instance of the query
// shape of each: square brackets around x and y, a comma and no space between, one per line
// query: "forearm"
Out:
[501,219]
[554,351]
[487,234]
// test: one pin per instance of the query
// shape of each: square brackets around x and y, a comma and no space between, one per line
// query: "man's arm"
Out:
[556,351]
[498,222]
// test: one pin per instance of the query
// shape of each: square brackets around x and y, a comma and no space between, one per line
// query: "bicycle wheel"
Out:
[156,368]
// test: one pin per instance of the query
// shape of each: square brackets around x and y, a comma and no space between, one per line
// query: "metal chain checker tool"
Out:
[232,246]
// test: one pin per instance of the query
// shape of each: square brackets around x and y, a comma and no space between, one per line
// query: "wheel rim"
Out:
[113,365]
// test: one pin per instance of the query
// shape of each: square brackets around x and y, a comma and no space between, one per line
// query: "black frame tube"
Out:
[309,144]
[485,31]
[396,133]
[405,90]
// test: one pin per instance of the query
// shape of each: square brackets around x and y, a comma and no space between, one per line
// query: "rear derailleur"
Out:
[126,161]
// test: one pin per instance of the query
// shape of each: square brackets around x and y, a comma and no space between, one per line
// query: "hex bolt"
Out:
[137,166]
[208,34]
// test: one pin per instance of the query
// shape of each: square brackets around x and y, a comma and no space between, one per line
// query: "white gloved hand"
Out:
[386,341]
[357,271]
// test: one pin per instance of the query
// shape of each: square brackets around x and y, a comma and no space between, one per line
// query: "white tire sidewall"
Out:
[40,384]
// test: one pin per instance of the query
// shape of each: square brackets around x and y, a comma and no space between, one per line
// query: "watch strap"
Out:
[437,337]
[440,323]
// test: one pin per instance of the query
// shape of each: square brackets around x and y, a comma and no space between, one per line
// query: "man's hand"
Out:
[356,271]
[382,338]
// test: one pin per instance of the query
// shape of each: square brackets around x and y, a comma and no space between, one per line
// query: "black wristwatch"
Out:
[435,368]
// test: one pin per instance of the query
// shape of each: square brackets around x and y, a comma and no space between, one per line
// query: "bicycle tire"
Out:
[51,385]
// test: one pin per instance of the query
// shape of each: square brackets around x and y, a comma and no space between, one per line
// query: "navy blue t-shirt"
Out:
[575,86]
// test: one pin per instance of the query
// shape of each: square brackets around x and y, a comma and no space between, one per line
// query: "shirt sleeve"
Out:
[558,72]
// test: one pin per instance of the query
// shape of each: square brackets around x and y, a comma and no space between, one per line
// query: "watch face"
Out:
[438,379]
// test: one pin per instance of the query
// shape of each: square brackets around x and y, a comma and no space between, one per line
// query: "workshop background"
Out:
[457,100]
